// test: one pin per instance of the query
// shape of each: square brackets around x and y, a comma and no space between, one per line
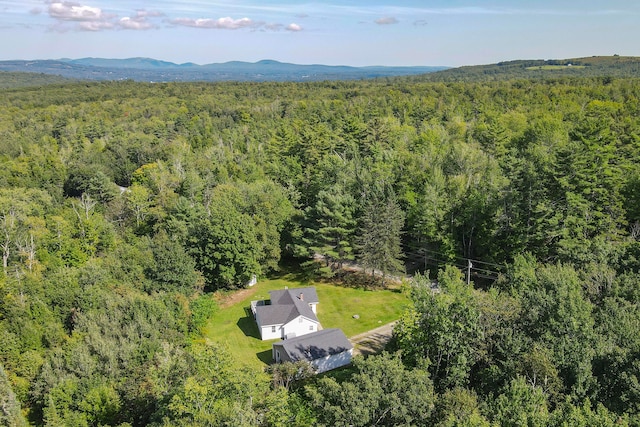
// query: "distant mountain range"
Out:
[153,70]
[147,69]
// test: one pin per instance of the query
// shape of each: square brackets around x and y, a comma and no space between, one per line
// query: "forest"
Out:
[125,206]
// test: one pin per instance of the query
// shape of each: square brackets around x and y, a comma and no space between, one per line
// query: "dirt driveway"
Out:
[372,341]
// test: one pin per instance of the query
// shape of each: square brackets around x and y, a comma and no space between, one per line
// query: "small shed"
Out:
[325,350]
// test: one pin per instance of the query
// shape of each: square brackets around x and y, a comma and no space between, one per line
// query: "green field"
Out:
[234,326]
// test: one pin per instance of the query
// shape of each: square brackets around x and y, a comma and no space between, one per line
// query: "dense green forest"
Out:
[11,80]
[594,66]
[124,205]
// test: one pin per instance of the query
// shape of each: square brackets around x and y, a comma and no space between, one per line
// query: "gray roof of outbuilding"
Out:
[286,305]
[316,345]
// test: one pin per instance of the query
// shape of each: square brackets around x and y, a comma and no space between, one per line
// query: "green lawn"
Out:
[234,325]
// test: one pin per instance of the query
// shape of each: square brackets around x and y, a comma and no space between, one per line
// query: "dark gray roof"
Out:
[315,345]
[285,296]
[286,305]
[275,314]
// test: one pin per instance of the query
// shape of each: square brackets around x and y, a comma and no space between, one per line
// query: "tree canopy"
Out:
[124,205]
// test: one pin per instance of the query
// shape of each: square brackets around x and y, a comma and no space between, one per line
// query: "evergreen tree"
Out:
[379,237]
[331,226]
[10,414]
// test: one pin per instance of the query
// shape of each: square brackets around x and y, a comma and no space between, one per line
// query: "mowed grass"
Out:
[234,326]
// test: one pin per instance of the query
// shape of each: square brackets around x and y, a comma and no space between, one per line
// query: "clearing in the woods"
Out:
[233,325]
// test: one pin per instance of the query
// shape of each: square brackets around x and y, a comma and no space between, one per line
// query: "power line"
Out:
[470,266]
[456,256]
[421,250]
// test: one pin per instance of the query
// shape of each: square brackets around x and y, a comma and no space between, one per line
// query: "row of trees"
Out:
[122,204]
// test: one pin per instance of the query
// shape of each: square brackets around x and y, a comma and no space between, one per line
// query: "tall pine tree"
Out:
[379,240]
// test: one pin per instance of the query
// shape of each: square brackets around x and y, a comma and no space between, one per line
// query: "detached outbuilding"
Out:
[324,350]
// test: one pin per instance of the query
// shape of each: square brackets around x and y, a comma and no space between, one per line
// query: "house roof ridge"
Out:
[309,294]
[286,305]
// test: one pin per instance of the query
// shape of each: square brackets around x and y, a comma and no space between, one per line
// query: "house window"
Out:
[311,327]
[273,329]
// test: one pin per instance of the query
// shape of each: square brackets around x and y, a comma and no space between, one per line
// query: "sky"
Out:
[357,33]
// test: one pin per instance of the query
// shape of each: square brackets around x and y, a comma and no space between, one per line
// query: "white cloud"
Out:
[78,15]
[388,20]
[69,11]
[135,23]
[226,23]
[95,25]
[88,18]
[140,21]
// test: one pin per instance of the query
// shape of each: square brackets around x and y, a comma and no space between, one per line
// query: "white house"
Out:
[324,350]
[289,313]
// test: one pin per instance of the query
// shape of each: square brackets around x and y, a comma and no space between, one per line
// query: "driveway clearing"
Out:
[373,341]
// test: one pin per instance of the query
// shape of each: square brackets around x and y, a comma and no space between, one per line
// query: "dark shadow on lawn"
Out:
[289,269]
[301,277]
[248,326]
[265,356]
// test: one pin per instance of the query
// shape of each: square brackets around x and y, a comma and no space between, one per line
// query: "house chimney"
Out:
[301,296]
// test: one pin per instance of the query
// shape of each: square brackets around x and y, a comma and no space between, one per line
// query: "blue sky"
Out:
[373,32]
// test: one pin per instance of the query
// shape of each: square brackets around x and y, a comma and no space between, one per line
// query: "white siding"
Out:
[332,362]
[299,326]
[295,328]
[267,334]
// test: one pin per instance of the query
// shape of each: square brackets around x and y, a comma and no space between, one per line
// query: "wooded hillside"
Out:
[124,205]
[595,66]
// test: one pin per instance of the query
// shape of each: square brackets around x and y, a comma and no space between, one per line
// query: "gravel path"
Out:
[372,341]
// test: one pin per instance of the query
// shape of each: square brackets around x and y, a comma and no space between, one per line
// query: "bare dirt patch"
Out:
[230,298]
[373,341]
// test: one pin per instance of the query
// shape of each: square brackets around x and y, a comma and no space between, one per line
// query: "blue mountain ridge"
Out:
[148,69]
